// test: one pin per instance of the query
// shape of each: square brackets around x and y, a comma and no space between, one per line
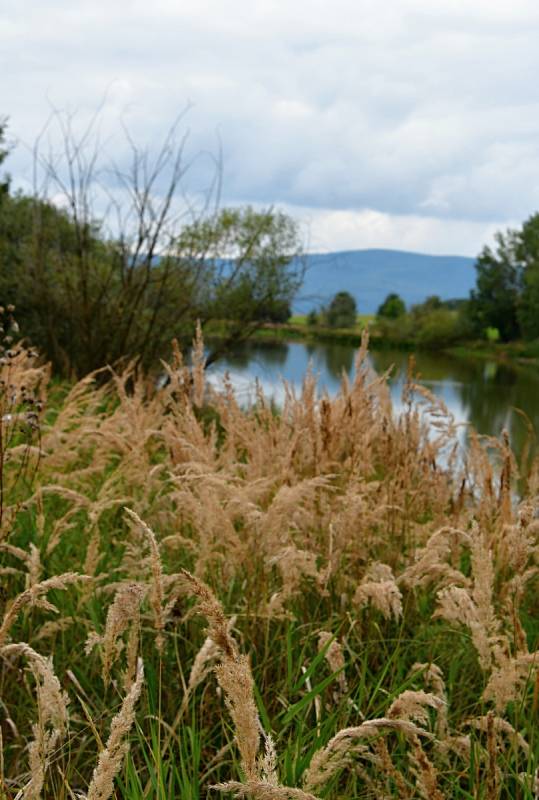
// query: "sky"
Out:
[408,124]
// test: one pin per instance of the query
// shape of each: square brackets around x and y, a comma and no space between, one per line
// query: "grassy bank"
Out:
[297,329]
[519,352]
[355,620]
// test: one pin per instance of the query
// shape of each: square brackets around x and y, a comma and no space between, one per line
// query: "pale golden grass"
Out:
[111,758]
[334,499]
[35,596]
[52,716]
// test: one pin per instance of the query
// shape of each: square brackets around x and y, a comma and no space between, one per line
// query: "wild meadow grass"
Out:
[327,602]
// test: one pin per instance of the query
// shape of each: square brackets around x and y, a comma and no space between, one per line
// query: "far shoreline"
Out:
[517,352]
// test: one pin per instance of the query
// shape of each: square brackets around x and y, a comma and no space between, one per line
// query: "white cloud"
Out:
[412,121]
[327,231]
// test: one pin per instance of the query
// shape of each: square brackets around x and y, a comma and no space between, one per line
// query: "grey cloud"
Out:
[406,107]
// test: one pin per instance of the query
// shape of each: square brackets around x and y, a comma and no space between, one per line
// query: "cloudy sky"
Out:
[405,123]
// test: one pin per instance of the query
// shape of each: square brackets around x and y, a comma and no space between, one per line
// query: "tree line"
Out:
[503,306]
[95,283]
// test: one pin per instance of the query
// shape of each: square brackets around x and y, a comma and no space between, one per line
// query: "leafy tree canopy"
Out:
[392,307]
[494,301]
[342,311]
[506,296]
[89,297]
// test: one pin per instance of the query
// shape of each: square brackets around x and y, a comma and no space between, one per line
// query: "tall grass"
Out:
[327,602]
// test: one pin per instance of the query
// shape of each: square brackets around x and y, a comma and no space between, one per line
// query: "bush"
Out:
[492,335]
[393,307]
[91,299]
[342,311]
[439,328]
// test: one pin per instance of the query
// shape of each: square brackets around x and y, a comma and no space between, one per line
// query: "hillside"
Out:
[369,275]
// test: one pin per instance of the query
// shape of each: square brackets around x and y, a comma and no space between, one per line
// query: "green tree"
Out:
[393,307]
[506,296]
[92,290]
[528,256]
[342,311]
[242,266]
[494,301]
[431,303]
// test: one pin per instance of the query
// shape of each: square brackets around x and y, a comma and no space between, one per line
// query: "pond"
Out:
[482,393]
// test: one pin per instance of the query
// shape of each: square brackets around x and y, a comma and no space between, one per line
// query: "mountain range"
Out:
[370,275]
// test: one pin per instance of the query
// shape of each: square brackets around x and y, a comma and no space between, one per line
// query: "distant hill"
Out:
[370,275]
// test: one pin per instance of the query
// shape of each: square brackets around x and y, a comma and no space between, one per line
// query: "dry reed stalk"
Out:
[335,658]
[492,772]
[413,705]
[338,752]
[234,677]
[123,613]
[258,790]
[294,565]
[378,587]
[199,362]
[157,591]
[50,629]
[473,606]
[433,677]
[52,717]
[491,722]
[430,563]
[202,666]
[425,773]
[508,677]
[34,596]
[52,701]
[389,770]
[111,758]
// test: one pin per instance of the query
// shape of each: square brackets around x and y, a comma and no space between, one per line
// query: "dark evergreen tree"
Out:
[342,311]
[495,300]
[393,307]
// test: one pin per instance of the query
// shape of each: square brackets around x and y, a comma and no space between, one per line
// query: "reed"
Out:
[370,594]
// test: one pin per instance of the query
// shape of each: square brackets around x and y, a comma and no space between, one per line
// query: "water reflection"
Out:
[336,358]
[482,393]
[249,356]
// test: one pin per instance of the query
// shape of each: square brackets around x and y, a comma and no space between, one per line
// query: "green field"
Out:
[362,320]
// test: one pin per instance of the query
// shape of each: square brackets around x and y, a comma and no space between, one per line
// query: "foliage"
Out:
[494,301]
[528,255]
[246,266]
[433,324]
[370,598]
[431,303]
[393,307]
[94,289]
[313,318]
[506,296]
[342,311]
[438,328]
[492,335]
